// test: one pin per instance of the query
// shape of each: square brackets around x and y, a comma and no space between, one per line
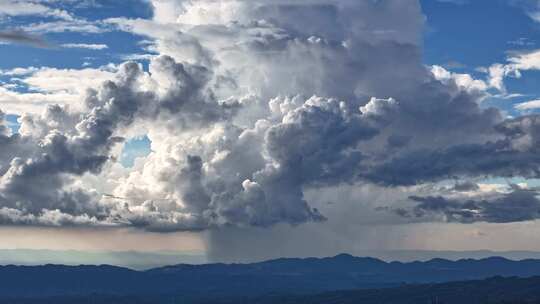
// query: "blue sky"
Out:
[466,35]
[119,43]
[475,33]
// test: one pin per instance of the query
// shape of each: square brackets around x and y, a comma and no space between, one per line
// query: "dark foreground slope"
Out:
[496,290]
[282,276]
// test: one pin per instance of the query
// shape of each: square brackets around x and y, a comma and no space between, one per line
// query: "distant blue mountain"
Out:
[275,277]
[129,259]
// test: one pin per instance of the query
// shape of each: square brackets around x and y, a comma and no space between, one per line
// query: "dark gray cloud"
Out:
[4,130]
[57,155]
[21,37]
[517,206]
[515,154]
[466,186]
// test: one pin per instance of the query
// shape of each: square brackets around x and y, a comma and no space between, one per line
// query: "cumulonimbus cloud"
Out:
[247,106]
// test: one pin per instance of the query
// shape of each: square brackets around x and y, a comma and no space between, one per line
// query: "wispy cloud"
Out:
[62,26]
[530,7]
[29,8]
[85,46]
[522,42]
[138,57]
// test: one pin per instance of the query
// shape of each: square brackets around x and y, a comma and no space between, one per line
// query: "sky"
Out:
[248,130]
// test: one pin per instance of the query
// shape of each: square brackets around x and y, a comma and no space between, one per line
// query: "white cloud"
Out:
[533,10]
[19,71]
[76,25]
[522,42]
[63,21]
[29,7]
[136,57]
[49,86]
[530,7]
[529,105]
[73,81]
[535,16]
[516,62]
[525,60]
[465,81]
[13,102]
[85,46]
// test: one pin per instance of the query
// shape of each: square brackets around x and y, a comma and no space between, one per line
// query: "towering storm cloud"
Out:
[249,105]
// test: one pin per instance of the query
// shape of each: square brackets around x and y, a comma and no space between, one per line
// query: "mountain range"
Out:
[280,277]
[143,260]
[130,259]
